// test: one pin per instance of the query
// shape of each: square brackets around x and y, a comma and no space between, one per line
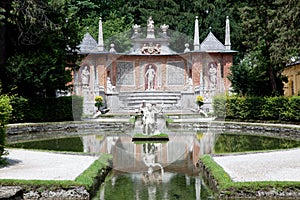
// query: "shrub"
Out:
[20,108]
[258,108]
[273,107]
[5,113]
[219,106]
[292,109]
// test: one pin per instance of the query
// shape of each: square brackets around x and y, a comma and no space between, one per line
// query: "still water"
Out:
[158,170]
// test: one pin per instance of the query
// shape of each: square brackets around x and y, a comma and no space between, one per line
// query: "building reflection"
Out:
[154,165]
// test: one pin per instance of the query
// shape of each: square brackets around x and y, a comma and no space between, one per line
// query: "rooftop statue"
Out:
[150,28]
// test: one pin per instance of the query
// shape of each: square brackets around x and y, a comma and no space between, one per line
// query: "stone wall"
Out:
[49,130]
[272,130]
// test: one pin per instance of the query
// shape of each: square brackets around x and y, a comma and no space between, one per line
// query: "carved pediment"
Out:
[150,48]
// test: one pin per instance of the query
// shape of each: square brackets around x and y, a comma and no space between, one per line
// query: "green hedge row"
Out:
[46,110]
[5,112]
[258,108]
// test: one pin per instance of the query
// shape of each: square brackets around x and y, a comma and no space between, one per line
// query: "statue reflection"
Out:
[152,177]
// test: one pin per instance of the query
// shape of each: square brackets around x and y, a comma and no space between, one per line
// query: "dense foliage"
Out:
[47,109]
[258,108]
[38,39]
[5,112]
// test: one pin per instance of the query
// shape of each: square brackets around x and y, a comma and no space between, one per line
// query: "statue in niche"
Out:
[189,84]
[150,76]
[85,76]
[212,75]
[109,86]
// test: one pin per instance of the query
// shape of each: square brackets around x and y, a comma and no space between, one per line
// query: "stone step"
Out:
[133,100]
[129,103]
[141,98]
[149,94]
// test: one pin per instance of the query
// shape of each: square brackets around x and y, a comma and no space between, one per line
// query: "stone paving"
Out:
[283,165]
[39,165]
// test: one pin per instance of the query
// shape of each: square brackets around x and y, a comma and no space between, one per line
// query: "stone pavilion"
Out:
[152,72]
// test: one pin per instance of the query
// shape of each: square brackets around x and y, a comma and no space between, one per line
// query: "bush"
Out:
[20,109]
[274,107]
[258,108]
[5,113]
[292,110]
[66,108]
[219,106]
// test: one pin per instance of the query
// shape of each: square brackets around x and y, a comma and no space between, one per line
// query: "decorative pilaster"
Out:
[227,34]
[100,45]
[196,36]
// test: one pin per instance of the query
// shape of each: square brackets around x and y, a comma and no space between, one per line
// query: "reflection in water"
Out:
[173,186]
[153,170]
[158,170]
[182,149]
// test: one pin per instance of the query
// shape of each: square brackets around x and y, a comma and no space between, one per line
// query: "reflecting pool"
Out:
[158,170]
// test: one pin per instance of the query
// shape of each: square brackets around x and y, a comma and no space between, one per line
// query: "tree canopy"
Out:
[39,38]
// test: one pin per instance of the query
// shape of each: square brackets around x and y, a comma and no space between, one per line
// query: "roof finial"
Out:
[100,36]
[227,34]
[196,36]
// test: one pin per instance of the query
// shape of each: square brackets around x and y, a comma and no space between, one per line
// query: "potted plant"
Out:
[99,102]
[199,101]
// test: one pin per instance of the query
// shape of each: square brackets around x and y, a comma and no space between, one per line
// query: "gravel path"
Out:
[270,166]
[38,165]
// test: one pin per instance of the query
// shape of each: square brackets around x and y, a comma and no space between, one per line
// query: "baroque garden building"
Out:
[152,72]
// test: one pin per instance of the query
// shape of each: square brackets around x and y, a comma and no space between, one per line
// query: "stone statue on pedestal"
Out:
[150,28]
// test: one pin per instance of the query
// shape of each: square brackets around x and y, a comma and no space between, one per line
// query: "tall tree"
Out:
[286,25]
[266,32]
[42,36]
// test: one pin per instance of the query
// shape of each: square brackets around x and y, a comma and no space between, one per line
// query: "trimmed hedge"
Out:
[258,108]
[66,108]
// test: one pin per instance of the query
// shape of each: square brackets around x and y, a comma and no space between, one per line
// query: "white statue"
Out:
[85,74]
[212,75]
[150,28]
[149,118]
[190,84]
[109,85]
[150,75]
[150,25]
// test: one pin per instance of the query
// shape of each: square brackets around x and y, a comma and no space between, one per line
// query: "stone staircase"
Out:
[133,100]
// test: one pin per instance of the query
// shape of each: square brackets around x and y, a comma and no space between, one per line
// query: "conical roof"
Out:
[211,43]
[88,44]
